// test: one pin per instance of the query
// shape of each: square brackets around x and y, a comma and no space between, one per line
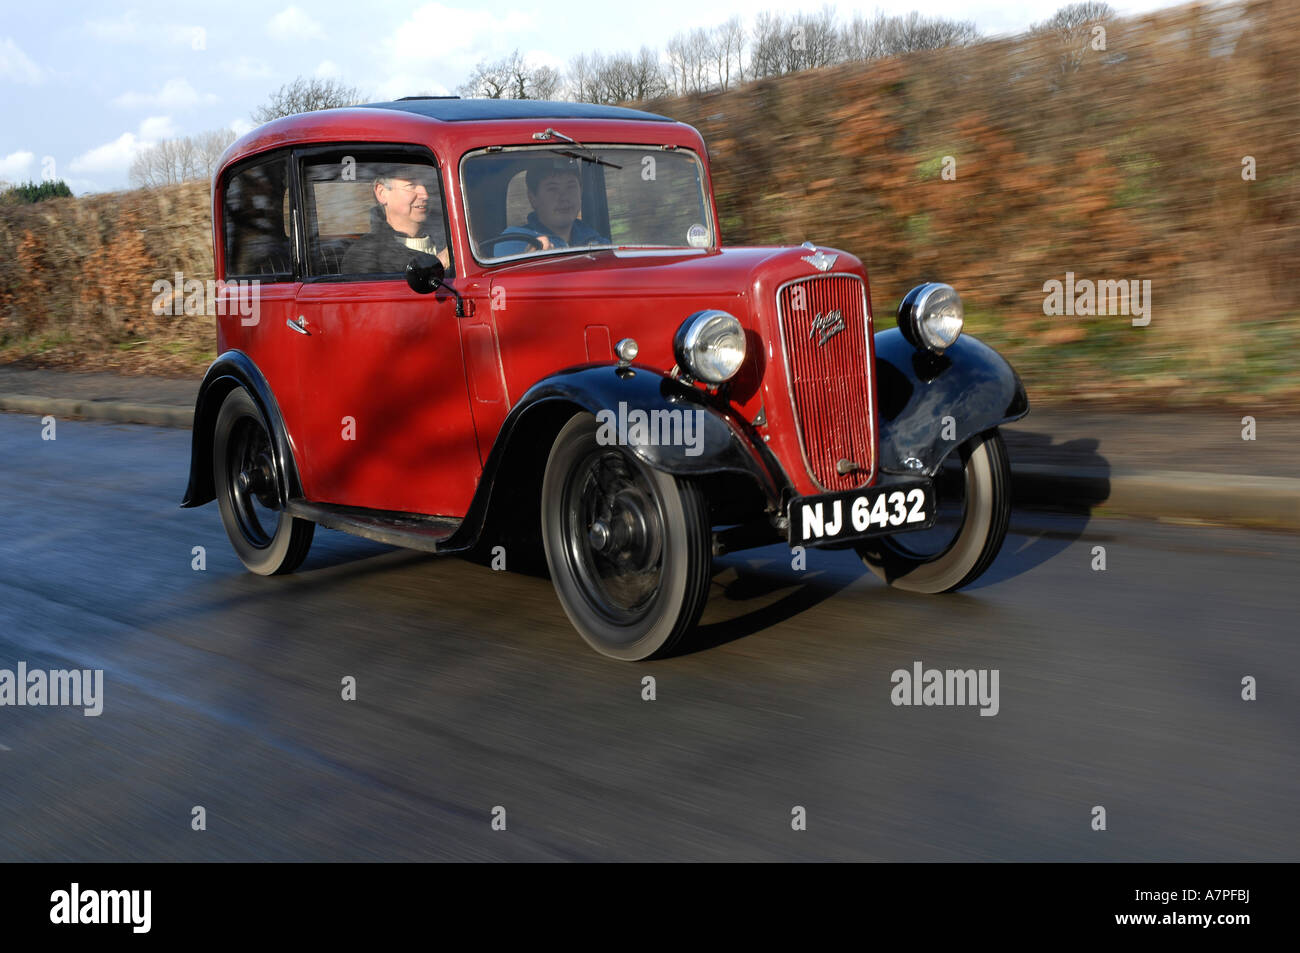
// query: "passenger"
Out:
[555,193]
[405,214]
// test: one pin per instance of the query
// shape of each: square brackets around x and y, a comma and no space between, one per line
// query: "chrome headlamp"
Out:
[931,316]
[710,346]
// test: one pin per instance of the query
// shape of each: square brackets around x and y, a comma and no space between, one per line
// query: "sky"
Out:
[84,86]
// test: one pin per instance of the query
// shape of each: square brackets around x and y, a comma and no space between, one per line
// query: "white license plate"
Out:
[857,514]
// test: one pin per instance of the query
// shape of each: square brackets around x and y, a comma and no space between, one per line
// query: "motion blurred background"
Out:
[1164,148]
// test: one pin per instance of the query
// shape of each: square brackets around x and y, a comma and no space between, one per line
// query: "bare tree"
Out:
[675,68]
[699,50]
[821,36]
[688,61]
[804,41]
[865,39]
[1072,26]
[582,77]
[516,71]
[487,81]
[603,83]
[305,95]
[770,44]
[179,160]
[547,83]
[703,59]
[160,164]
[646,78]
[914,33]
[1070,17]
[210,146]
[511,78]
[727,48]
[619,78]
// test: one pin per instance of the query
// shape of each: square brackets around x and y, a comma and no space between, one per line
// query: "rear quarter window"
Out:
[256,221]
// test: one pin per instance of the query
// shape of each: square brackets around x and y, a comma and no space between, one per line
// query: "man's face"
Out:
[557,201]
[405,199]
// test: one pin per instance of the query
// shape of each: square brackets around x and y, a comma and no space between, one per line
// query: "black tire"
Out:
[267,540]
[975,492]
[629,548]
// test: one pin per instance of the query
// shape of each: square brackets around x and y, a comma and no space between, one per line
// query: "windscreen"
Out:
[540,201]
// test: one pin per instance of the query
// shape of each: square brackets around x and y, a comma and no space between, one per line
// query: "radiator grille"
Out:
[824,334]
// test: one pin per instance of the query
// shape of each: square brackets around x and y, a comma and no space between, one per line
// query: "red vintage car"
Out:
[483,323]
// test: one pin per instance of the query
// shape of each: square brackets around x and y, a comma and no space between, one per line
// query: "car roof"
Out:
[451,124]
[451,109]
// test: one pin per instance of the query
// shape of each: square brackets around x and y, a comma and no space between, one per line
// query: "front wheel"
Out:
[628,547]
[267,540]
[973,503]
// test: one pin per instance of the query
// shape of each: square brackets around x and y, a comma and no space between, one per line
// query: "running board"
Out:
[430,534]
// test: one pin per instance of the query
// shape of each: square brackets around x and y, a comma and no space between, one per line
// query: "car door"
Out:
[259,268]
[389,425]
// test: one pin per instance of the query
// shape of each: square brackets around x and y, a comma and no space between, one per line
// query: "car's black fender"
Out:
[916,389]
[605,390]
[230,370]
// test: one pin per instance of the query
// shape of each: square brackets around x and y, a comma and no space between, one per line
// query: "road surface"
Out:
[1118,689]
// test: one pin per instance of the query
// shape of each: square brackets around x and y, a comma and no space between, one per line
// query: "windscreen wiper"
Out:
[552,134]
[578,155]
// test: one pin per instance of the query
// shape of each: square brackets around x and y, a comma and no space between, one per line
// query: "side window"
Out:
[256,221]
[368,214]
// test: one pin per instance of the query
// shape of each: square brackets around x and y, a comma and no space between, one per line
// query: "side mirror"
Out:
[424,273]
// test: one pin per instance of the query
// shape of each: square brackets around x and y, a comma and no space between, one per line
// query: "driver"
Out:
[400,223]
[555,193]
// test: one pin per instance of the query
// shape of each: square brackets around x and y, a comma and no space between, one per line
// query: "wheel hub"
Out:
[257,479]
[620,533]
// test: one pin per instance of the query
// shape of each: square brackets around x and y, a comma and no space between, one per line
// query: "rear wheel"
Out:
[267,540]
[973,508]
[628,547]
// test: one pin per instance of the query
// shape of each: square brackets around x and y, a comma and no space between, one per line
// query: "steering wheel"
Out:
[510,237]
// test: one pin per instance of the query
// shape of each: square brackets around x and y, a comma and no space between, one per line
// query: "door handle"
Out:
[298,325]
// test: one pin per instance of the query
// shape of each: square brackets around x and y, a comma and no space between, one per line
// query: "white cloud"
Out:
[292,24]
[157,127]
[114,158]
[174,94]
[129,28]
[242,126]
[16,66]
[536,58]
[327,69]
[409,84]
[125,29]
[81,186]
[246,67]
[16,166]
[409,63]
[463,35]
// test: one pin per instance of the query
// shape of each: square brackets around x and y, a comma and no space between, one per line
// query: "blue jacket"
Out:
[580,234]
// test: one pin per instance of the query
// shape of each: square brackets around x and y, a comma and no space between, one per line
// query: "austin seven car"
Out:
[512,327]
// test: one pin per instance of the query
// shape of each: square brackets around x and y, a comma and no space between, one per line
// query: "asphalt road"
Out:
[222,689]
